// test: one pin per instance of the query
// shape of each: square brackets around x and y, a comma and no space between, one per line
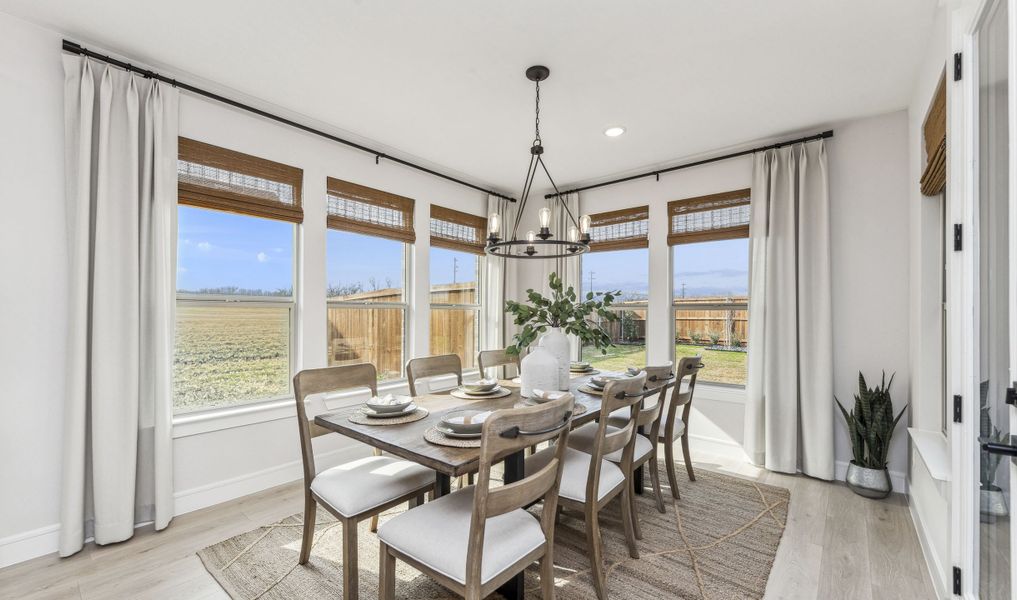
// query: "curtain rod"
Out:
[75,48]
[826,134]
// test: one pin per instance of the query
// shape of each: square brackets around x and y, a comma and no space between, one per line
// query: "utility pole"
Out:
[591,281]
[455,268]
[683,289]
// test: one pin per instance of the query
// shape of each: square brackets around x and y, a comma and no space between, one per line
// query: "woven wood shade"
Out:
[934,176]
[212,177]
[721,216]
[457,230]
[365,210]
[620,229]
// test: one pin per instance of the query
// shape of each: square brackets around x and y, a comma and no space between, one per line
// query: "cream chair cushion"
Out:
[360,485]
[575,472]
[582,439]
[620,418]
[437,534]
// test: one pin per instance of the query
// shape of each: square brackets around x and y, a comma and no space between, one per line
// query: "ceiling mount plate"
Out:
[538,73]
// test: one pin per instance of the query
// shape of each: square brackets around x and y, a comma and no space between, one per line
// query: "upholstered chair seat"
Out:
[437,535]
[583,438]
[361,485]
[576,471]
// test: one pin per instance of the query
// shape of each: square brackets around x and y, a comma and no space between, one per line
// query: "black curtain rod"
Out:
[705,161]
[75,48]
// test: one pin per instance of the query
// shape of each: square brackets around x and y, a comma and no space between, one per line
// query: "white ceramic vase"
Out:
[538,370]
[557,343]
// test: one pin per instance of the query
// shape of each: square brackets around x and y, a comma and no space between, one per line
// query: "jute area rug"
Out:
[718,542]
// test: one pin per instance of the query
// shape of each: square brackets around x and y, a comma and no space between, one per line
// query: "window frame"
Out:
[631,244]
[238,300]
[476,307]
[403,305]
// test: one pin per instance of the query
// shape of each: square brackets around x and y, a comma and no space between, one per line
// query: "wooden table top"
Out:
[407,440]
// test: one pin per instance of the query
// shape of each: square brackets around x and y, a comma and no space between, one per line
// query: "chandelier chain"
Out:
[536,139]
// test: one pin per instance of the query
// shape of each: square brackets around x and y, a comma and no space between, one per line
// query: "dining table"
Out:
[406,440]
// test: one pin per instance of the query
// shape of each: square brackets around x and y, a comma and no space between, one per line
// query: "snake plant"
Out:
[871,423]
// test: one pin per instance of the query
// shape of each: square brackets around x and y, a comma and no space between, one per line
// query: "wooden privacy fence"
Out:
[364,333]
[696,319]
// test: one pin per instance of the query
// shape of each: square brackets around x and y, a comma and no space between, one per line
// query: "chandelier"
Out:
[541,244]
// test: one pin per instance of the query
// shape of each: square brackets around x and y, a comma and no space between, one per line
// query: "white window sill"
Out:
[719,392]
[934,449]
[197,423]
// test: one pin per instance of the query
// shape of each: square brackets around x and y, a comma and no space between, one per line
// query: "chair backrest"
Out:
[688,369]
[659,379]
[506,432]
[618,393]
[495,358]
[319,381]
[431,366]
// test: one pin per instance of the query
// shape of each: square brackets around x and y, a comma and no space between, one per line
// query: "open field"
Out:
[721,366]
[229,353]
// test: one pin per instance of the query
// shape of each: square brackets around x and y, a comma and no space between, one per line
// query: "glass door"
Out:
[994,304]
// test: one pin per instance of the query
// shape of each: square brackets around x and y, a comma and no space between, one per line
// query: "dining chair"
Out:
[356,490]
[488,359]
[475,539]
[671,427]
[432,366]
[644,450]
[589,481]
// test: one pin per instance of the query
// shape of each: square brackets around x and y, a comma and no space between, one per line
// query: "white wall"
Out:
[868,160]
[215,458]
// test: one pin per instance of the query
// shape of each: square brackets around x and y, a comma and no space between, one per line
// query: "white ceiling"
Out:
[443,79]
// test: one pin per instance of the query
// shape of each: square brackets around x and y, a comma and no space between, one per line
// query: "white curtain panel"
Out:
[121,157]
[500,284]
[566,268]
[789,411]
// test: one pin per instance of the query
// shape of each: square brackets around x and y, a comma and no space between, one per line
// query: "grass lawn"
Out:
[721,366]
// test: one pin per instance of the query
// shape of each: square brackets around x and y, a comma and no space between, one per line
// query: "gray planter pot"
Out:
[871,483]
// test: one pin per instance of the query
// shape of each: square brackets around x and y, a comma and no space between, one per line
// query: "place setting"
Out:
[482,389]
[460,428]
[597,383]
[579,368]
[538,396]
[390,409]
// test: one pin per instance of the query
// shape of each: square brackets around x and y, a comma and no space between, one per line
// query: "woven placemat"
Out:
[360,418]
[436,437]
[589,390]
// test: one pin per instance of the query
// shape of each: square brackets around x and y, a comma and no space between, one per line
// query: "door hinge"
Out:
[958,69]
[958,237]
[957,403]
[1011,395]
[956,581]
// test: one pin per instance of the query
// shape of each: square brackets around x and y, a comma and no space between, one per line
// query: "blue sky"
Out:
[219,249]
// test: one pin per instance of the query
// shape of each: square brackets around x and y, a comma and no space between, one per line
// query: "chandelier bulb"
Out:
[584,224]
[573,234]
[530,237]
[494,224]
[544,216]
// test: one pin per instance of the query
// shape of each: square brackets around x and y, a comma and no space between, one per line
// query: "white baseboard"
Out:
[898,479]
[223,491]
[936,571]
[45,540]
[29,544]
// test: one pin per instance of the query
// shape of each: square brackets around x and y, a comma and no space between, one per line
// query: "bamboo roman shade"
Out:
[212,177]
[457,230]
[620,229]
[721,216]
[365,210]
[934,177]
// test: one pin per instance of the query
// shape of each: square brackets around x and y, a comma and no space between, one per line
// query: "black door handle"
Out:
[996,448]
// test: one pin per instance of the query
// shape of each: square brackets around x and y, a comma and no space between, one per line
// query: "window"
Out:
[235,309]
[368,253]
[457,255]
[709,236]
[619,261]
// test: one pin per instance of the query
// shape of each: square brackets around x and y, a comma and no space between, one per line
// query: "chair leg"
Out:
[688,459]
[374,524]
[633,512]
[547,575]
[628,519]
[654,466]
[596,558]
[672,479]
[351,574]
[386,574]
[310,514]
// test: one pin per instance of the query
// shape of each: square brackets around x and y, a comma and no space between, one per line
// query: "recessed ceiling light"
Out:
[614,131]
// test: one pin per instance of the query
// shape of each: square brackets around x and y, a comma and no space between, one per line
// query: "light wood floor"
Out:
[836,546]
